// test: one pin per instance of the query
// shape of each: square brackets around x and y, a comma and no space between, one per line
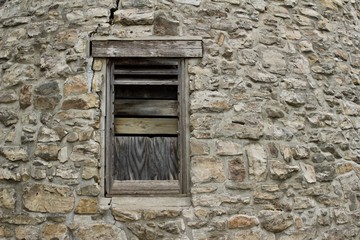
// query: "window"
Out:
[146,115]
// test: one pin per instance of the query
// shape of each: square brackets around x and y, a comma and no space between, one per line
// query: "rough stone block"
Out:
[242,221]
[206,169]
[228,148]
[58,231]
[237,169]
[257,162]
[14,153]
[48,198]
[7,198]
[87,206]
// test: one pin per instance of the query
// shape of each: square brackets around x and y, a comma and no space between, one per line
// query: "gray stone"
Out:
[190,2]
[8,97]
[164,26]
[325,173]
[8,117]
[47,151]
[136,4]
[130,17]
[281,171]
[88,190]
[308,172]
[275,221]
[292,98]
[46,135]
[18,73]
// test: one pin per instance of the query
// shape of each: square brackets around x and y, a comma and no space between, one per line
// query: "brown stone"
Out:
[209,100]
[75,85]
[99,231]
[27,232]
[22,219]
[48,198]
[90,172]
[242,221]
[7,198]
[6,232]
[25,96]
[55,231]
[14,153]
[87,206]
[237,169]
[206,169]
[83,101]
[198,147]
[45,102]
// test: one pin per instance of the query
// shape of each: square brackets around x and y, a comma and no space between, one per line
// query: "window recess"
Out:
[147,127]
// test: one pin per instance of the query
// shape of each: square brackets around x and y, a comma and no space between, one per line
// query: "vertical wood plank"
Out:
[145,158]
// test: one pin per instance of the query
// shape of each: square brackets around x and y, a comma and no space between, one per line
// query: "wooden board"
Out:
[146,48]
[146,158]
[146,125]
[128,107]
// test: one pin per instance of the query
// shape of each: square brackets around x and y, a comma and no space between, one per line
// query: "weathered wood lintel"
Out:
[146,48]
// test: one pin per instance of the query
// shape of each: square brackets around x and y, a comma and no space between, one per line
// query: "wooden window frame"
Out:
[157,49]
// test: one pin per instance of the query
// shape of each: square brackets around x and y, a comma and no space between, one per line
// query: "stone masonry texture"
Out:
[274,120]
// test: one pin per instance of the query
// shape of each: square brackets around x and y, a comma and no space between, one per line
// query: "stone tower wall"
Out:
[274,120]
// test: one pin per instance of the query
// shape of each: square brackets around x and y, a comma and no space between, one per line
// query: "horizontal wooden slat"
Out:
[146,107]
[128,81]
[146,48]
[146,187]
[142,91]
[146,71]
[146,125]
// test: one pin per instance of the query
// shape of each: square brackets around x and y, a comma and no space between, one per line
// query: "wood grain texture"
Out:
[145,158]
[146,125]
[146,48]
[129,107]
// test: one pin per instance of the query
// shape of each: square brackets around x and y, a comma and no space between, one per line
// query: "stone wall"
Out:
[275,106]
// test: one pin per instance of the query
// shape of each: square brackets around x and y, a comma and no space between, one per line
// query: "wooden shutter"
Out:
[145,127]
